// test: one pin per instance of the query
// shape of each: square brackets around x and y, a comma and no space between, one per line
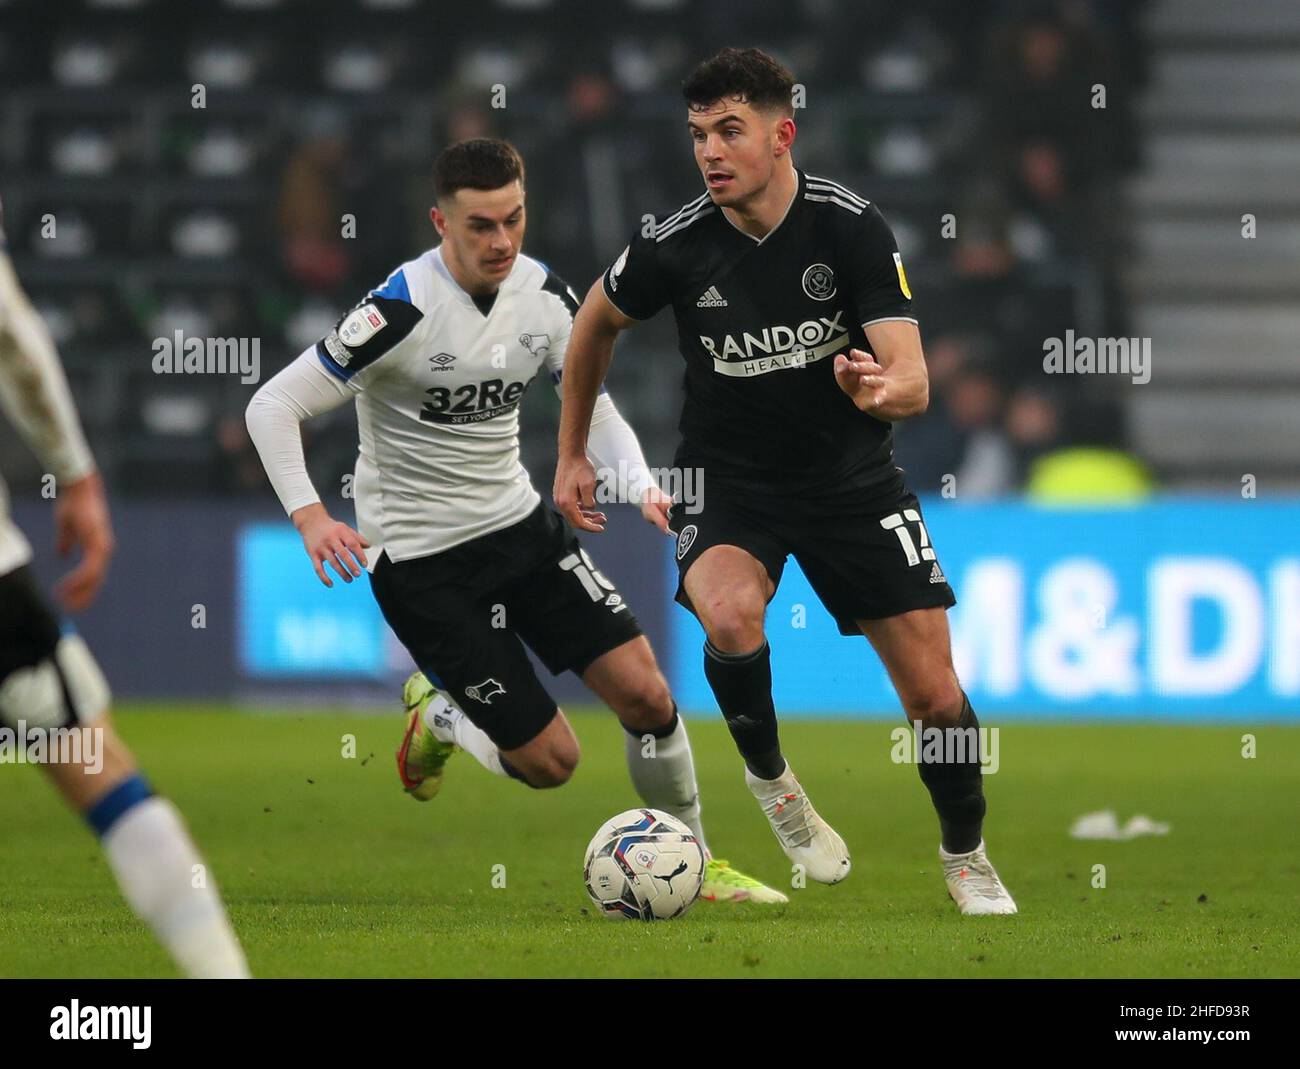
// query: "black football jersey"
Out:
[759,323]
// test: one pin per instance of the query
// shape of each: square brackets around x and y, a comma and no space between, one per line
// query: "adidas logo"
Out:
[711,298]
[936,574]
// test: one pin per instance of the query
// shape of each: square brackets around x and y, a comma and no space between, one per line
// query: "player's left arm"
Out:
[893,384]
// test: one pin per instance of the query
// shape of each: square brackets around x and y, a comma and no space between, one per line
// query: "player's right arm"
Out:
[274,417]
[324,377]
[631,290]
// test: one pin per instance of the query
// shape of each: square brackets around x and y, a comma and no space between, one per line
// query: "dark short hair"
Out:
[477,163]
[745,74]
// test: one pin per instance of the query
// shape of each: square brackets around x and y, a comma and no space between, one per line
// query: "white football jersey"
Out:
[438,385]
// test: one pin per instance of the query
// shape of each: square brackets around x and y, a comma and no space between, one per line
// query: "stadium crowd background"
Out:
[970,124]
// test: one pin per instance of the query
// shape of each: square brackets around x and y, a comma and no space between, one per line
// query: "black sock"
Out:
[742,683]
[957,789]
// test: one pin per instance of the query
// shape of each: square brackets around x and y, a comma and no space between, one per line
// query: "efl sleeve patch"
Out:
[902,276]
[360,325]
[877,282]
[368,332]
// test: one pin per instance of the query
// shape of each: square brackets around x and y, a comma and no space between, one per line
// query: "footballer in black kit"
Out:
[791,466]
[795,321]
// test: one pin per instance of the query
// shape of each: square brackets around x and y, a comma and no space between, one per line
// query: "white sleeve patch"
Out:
[361,325]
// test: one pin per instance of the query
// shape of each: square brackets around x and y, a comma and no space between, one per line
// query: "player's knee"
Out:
[556,770]
[734,621]
[554,766]
[649,705]
[936,703]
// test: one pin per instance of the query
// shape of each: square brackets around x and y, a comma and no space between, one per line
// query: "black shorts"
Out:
[463,615]
[863,565]
[29,627]
[29,634]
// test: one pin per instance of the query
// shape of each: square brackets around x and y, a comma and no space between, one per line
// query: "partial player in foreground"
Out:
[467,563]
[770,272]
[50,683]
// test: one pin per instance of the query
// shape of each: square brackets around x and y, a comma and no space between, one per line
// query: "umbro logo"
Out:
[936,574]
[711,298]
[442,361]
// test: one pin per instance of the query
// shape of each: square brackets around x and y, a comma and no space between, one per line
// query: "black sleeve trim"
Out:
[555,284]
[378,324]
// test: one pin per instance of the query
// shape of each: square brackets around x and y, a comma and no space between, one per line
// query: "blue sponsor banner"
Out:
[291,624]
[1167,610]
[293,630]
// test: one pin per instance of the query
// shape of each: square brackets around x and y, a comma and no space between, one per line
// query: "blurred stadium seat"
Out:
[926,109]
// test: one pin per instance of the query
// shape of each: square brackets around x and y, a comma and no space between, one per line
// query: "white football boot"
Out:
[806,839]
[973,883]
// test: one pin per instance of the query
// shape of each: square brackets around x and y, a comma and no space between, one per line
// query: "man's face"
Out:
[736,148]
[483,230]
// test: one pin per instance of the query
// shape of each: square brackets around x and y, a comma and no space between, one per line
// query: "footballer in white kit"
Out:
[54,700]
[466,561]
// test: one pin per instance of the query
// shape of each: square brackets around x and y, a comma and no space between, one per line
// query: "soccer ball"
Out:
[644,865]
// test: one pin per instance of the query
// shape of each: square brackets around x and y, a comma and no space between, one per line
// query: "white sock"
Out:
[157,867]
[449,724]
[666,780]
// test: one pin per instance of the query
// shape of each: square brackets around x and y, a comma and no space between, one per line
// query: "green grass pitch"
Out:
[329,870]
